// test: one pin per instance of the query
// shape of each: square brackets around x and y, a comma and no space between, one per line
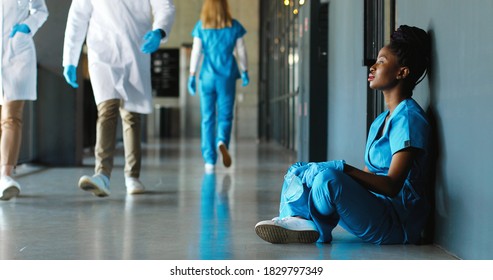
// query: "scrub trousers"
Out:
[323,193]
[10,134]
[217,99]
[106,138]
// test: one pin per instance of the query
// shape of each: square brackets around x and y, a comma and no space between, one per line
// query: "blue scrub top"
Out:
[218,46]
[407,127]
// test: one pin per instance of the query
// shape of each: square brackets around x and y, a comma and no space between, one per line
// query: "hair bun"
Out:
[414,36]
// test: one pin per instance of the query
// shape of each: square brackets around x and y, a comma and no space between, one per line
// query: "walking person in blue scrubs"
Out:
[386,202]
[216,36]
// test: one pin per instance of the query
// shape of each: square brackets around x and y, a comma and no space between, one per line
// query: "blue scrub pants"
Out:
[323,193]
[218,92]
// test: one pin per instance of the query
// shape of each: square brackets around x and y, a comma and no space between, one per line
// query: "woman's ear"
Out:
[403,73]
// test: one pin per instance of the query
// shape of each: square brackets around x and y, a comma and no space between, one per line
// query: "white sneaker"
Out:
[8,188]
[287,230]
[209,168]
[98,184]
[134,185]
[224,153]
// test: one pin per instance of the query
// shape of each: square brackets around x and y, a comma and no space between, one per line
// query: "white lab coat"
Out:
[115,28]
[18,55]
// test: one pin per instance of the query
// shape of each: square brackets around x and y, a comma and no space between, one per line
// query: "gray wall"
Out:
[347,83]
[49,39]
[460,94]
[58,134]
[457,92]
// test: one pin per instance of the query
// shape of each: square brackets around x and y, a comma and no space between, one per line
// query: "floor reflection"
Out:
[215,221]
[4,235]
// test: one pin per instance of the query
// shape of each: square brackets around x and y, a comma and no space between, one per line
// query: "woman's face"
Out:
[384,73]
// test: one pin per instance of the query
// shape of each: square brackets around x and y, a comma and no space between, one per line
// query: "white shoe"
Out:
[209,168]
[287,230]
[224,153]
[98,184]
[8,188]
[134,185]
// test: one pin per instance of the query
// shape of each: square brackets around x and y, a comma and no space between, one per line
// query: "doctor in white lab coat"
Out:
[20,20]
[120,36]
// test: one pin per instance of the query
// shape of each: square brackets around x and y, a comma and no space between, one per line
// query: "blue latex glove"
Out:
[245,78]
[152,40]
[19,28]
[70,74]
[191,85]
[307,172]
[314,168]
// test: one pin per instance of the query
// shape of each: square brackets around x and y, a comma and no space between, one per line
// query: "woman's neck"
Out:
[394,97]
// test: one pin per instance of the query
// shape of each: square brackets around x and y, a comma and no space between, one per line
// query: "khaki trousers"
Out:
[106,138]
[10,134]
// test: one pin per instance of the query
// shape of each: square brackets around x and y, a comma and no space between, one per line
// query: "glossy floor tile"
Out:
[184,215]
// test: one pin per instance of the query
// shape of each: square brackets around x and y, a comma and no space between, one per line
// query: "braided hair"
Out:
[412,46]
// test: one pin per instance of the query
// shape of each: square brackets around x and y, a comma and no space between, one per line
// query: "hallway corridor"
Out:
[184,215]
